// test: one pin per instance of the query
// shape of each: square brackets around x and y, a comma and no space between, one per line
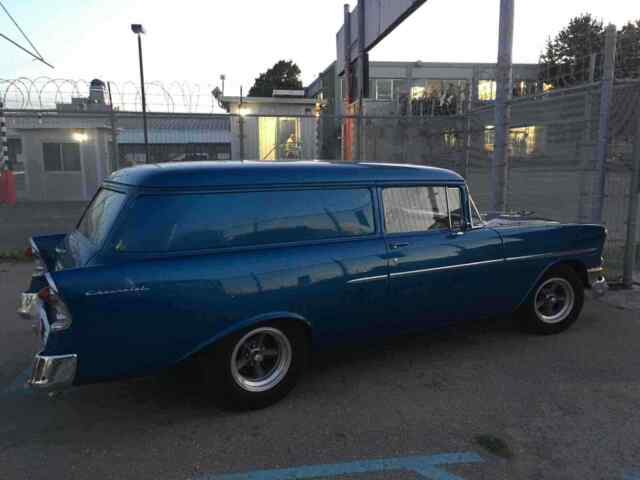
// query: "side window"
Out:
[455,208]
[415,209]
[161,223]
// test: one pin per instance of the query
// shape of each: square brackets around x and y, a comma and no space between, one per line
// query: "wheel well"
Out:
[303,326]
[580,269]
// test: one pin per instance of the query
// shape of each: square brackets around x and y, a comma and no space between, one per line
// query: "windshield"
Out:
[100,215]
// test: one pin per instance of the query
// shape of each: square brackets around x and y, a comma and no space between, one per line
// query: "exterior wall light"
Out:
[80,137]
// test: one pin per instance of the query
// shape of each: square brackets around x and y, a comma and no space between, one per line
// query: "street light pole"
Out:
[139,31]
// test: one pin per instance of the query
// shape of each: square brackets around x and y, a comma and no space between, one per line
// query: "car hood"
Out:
[502,220]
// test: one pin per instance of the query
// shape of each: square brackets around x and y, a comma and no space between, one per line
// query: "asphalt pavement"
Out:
[475,401]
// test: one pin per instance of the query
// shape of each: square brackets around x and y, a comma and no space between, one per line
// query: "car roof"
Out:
[242,173]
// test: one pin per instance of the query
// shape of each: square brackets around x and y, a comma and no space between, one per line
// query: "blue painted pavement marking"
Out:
[19,385]
[424,467]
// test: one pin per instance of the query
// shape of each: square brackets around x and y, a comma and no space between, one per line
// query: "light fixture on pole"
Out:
[139,31]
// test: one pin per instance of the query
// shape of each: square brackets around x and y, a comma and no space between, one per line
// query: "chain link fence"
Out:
[60,157]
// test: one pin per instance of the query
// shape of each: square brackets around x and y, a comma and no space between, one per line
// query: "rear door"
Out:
[436,265]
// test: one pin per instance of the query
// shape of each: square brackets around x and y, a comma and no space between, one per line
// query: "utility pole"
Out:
[504,85]
[602,148]
[139,31]
[362,76]
[347,130]
[114,132]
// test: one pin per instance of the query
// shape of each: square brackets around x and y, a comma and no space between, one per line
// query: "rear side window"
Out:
[164,223]
[100,215]
[415,209]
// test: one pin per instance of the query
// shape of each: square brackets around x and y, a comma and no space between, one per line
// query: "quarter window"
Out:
[162,223]
[415,209]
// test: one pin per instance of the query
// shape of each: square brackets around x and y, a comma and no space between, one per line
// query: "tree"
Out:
[628,64]
[567,57]
[284,75]
[566,60]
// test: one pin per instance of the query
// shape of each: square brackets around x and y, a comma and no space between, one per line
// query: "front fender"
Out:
[246,324]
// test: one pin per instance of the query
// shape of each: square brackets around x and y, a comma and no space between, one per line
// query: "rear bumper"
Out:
[53,372]
[597,281]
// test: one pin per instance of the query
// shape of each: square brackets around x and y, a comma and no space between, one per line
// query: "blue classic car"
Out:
[247,267]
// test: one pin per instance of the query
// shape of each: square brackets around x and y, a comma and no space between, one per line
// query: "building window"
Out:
[487,90]
[61,157]
[523,140]
[279,138]
[384,90]
[438,97]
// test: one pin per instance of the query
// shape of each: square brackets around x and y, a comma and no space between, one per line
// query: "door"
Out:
[436,265]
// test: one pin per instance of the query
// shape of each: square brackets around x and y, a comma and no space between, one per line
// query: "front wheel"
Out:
[555,303]
[256,367]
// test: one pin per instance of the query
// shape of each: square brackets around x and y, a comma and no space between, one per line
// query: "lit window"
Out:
[487,90]
[523,140]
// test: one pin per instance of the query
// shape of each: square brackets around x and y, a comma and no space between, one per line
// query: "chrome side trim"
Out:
[567,253]
[375,278]
[448,267]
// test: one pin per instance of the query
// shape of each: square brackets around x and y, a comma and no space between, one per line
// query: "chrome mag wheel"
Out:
[261,359]
[554,300]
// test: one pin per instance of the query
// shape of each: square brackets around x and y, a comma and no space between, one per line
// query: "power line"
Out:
[38,56]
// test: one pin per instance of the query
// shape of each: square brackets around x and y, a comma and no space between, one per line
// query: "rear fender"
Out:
[246,324]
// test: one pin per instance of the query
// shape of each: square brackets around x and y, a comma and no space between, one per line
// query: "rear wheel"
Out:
[256,367]
[555,303]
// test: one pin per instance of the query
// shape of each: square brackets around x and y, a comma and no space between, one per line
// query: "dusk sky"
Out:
[197,40]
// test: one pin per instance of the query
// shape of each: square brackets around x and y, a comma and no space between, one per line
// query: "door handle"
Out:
[398,246]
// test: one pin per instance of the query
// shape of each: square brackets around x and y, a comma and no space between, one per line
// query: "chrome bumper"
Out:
[598,282]
[53,373]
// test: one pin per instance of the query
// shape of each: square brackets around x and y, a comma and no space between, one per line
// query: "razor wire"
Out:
[45,93]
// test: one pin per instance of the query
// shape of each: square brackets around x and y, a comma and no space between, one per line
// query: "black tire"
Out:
[223,382]
[561,281]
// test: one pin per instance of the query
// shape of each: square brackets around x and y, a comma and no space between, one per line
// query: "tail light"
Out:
[28,252]
[61,317]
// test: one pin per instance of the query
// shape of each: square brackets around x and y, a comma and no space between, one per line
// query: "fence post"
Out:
[504,85]
[602,147]
[630,252]
[586,149]
[466,155]
[4,161]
